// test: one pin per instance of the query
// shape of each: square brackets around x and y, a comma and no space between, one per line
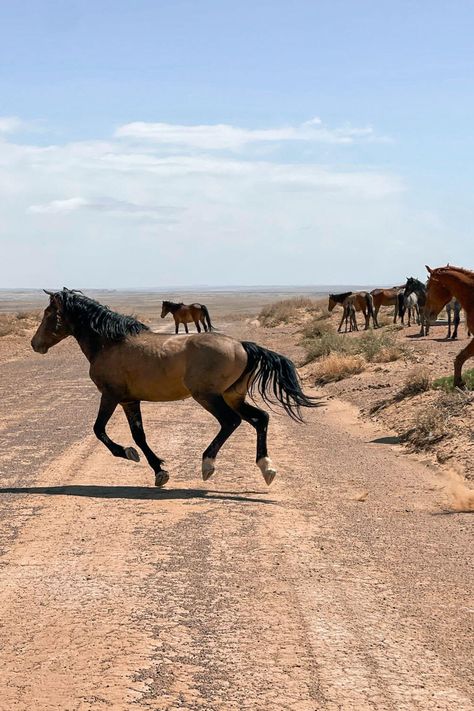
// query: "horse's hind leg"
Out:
[186,327]
[134,416]
[228,419]
[259,421]
[106,410]
[204,324]
[198,327]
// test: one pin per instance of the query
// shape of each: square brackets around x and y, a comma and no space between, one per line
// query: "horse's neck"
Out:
[461,286]
[89,343]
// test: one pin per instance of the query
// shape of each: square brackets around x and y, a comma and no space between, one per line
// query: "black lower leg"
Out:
[198,327]
[259,420]
[228,419]
[106,410]
[134,416]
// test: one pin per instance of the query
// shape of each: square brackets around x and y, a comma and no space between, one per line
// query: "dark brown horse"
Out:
[361,300]
[443,284]
[187,313]
[130,363]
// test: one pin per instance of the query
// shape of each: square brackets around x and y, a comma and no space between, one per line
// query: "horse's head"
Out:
[53,327]
[165,308]
[331,302]
[437,294]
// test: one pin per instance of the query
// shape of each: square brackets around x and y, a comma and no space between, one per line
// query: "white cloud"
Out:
[194,215]
[10,124]
[224,136]
[105,205]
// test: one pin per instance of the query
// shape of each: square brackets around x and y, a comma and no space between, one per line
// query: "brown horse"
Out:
[187,313]
[443,284]
[130,363]
[349,315]
[361,300]
[386,297]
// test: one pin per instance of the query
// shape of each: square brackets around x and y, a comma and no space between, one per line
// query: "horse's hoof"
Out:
[208,468]
[266,467]
[132,454]
[161,478]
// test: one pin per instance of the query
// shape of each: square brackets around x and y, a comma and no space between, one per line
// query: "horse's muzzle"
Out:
[38,348]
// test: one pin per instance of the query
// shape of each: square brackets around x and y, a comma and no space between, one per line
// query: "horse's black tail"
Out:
[371,310]
[401,305]
[276,380]
[207,317]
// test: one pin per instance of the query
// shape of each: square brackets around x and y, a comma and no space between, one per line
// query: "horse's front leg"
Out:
[134,416]
[176,326]
[106,410]
[186,327]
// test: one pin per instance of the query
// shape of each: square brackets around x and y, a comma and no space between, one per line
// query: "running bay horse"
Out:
[184,313]
[443,284]
[130,363]
[361,300]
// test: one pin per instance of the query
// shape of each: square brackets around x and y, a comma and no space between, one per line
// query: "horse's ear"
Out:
[429,270]
[50,293]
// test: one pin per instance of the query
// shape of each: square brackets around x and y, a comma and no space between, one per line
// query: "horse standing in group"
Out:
[129,363]
[184,313]
[444,284]
[361,301]
[453,308]
[386,297]
[349,316]
[408,305]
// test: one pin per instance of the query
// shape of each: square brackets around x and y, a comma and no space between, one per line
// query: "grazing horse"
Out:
[445,283]
[130,363]
[362,301]
[386,297]
[183,313]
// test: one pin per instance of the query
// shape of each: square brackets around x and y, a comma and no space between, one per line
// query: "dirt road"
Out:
[225,595]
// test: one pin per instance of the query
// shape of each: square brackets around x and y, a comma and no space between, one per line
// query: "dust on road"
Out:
[225,595]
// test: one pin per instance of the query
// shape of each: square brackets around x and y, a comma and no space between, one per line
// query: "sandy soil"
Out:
[344,586]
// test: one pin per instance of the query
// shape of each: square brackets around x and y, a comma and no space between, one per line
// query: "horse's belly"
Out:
[158,391]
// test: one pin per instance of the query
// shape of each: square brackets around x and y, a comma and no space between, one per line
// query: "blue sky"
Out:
[152,143]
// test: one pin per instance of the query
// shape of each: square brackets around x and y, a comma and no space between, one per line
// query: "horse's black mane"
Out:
[86,315]
[173,303]
[339,298]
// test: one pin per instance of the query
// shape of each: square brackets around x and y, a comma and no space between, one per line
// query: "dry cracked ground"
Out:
[343,586]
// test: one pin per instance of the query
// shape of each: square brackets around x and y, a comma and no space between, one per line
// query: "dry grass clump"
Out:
[373,347]
[378,347]
[317,328]
[431,425]
[338,366]
[18,324]
[417,381]
[329,342]
[284,311]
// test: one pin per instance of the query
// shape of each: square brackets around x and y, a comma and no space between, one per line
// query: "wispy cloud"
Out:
[105,205]
[224,136]
[10,124]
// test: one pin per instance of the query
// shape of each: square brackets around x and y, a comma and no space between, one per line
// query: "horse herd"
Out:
[408,300]
[129,363]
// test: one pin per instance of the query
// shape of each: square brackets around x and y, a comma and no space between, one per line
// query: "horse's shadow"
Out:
[139,493]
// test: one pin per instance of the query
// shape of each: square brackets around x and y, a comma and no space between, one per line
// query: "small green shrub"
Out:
[447,383]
